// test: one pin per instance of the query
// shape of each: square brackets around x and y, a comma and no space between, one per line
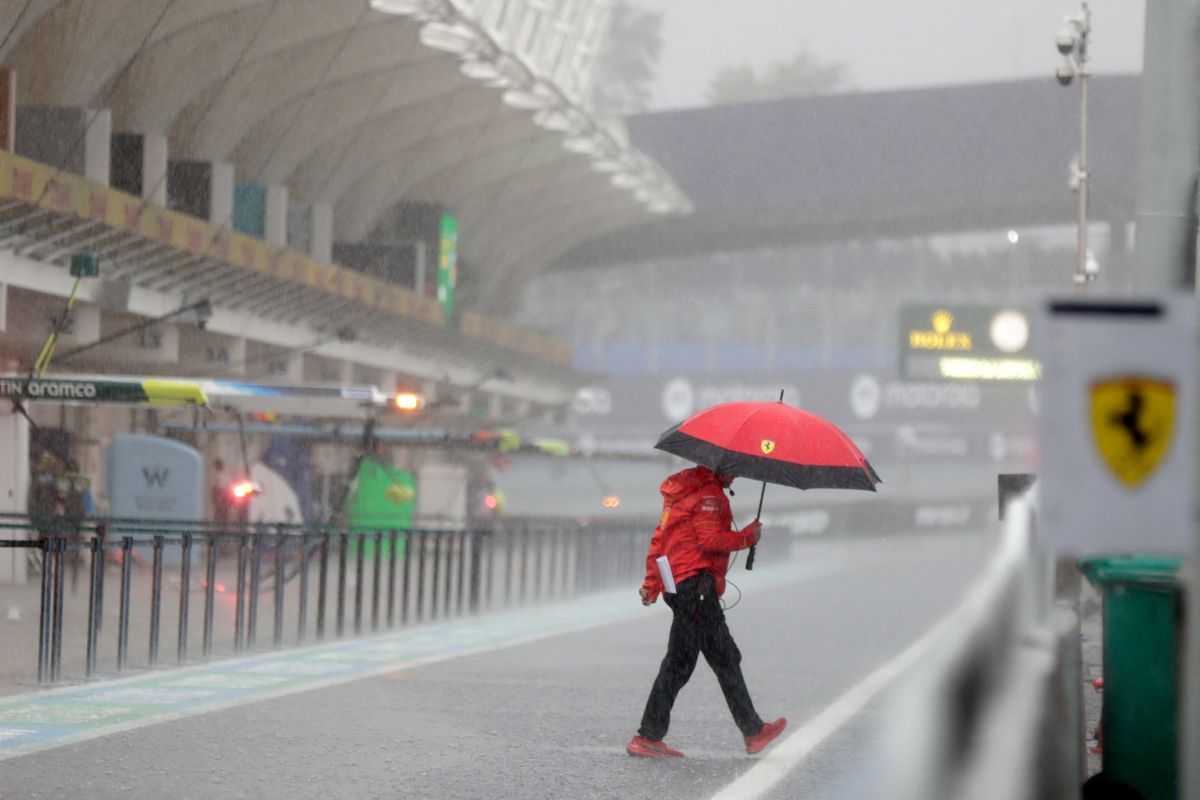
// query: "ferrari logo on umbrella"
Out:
[729,437]
[1133,419]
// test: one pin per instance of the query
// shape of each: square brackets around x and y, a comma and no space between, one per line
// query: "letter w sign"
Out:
[156,476]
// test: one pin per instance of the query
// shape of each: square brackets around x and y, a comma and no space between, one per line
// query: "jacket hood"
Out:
[681,484]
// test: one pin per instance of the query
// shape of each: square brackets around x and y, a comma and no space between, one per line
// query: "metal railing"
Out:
[991,706]
[316,582]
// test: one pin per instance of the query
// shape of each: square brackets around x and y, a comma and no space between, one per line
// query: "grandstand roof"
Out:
[880,164]
[347,105]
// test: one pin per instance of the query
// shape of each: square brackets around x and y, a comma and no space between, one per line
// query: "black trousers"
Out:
[698,627]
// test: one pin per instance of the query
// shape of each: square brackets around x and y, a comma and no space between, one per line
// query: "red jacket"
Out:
[695,532]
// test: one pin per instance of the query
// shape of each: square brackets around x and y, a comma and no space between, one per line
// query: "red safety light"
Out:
[407,401]
[610,501]
[491,502]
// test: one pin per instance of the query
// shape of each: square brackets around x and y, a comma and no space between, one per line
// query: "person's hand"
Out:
[647,596]
[752,532]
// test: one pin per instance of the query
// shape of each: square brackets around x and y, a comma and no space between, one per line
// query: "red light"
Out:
[491,502]
[220,587]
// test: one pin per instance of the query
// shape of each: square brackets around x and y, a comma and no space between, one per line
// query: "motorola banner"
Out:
[642,404]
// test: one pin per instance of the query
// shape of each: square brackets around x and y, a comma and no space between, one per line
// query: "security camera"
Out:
[202,311]
[1066,40]
[1065,73]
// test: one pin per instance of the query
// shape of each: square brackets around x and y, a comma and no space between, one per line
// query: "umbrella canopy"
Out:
[772,442]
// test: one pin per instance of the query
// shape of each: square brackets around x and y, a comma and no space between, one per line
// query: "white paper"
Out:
[664,571]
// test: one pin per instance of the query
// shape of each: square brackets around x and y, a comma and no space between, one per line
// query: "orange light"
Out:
[242,489]
[611,501]
[407,401]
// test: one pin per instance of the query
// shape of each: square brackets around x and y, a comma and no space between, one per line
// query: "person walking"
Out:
[696,535]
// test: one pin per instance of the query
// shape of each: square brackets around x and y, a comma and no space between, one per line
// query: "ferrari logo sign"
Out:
[1133,420]
[1117,412]
[767,446]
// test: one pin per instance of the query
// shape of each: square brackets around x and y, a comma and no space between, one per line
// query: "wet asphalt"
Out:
[550,718]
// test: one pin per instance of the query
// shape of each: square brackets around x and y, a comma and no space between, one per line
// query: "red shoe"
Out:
[648,748]
[755,743]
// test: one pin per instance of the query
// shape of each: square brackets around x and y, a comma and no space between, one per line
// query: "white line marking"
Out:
[785,756]
[157,719]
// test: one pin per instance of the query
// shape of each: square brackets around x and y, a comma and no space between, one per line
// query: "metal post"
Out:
[404,601]
[1081,271]
[255,577]
[123,615]
[538,553]
[101,534]
[155,598]
[341,590]
[1166,252]
[1169,144]
[487,554]
[590,566]
[391,586]
[185,588]
[322,581]
[210,579]
[476,541]
[421,577]
[525,566]
[583,561]
[302,620]
[277,634]
[359,556]
[437,574]
[570,560]
[460,606]
[560,564]
[239,615]
[376,568]
[46,617]
[56,640]
[97,565]
[508,567]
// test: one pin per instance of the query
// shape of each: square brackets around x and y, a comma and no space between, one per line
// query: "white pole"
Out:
[1081,273]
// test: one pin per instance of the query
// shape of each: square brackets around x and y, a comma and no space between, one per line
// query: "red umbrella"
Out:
[773,443]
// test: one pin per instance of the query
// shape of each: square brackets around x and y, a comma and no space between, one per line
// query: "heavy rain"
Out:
[598,399]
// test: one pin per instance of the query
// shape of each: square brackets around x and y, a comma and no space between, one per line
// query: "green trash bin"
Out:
[1142,613]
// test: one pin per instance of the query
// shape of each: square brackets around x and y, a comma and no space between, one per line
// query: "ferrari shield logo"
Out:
[767,446]
[1133,420]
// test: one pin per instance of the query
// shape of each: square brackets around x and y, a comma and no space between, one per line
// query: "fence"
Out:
[992,708]
[318,582]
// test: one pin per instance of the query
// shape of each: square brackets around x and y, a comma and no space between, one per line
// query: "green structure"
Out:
[447,265]
[1142,603]
[384,499]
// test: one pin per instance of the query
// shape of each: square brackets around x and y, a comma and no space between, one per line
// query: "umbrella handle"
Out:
[754,547]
